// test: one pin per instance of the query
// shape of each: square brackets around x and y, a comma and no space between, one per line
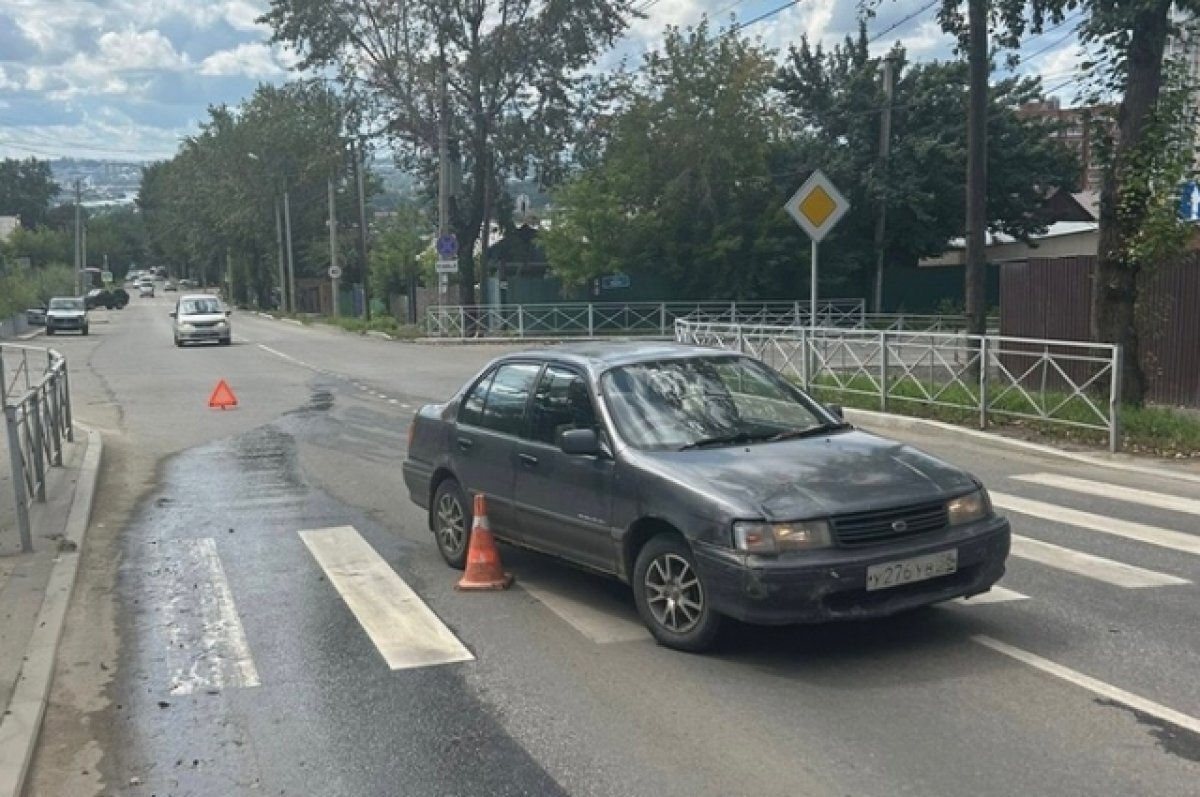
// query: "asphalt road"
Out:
[220,641]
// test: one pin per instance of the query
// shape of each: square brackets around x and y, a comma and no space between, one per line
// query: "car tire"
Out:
[226,341]
[451,519]
[179,343]
[664,577]
[49,330]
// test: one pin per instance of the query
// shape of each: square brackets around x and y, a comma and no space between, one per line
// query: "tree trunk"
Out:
[976,276]
[1115,291]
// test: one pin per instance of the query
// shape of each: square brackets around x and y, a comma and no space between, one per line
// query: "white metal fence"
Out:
[624,318]
[1066,383]
[36,396]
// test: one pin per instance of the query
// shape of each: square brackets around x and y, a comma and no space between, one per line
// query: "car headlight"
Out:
[758,537]
[968,508]
[222,324]
[187,327]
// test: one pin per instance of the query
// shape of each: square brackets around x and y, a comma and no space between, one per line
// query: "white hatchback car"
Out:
[201,317]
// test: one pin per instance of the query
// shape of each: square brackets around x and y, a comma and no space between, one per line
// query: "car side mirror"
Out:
[580,443]
[172,314]
[836,410]
[228,313]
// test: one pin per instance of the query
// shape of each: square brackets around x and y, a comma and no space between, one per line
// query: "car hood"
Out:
[201,318]
[66,313]
[814,477]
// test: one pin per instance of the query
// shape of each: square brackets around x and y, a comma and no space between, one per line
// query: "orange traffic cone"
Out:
[484,570]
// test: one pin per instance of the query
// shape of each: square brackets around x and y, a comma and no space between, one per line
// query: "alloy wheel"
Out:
[673,593]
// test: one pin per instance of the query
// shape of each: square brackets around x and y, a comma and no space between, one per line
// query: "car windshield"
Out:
[200,306]
[66,304]
[703,401]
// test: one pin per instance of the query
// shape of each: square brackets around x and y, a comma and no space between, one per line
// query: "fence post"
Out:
[883,371]
[1114,401]
[70,416]
[520,320]
[984,399]
[805,367]
[38,449]
[592,320]
[17,464]
[662,318]
[54,409]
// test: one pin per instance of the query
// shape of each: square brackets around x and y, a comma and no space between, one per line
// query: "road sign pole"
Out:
[812,302]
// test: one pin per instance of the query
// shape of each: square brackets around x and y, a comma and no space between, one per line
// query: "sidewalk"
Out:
[35,589]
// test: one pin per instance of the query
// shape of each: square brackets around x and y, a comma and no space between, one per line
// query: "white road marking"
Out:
[393,401]
[994,595]
[405,631]
[202,621]
[1085,564]
[1105,490]
[1165,538]
[1093,685]
[579,608]
[281,355]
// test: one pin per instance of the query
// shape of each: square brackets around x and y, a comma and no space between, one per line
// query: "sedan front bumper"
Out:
[830,584]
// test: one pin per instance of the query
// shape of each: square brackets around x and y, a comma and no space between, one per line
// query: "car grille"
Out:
[889,525]
[204,324]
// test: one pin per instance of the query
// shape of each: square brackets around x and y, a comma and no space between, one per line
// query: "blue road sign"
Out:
[447,247]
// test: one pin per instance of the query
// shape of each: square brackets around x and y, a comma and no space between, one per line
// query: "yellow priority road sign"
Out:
[817,206]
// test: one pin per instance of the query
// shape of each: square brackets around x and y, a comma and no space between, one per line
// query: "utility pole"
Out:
[443,161]
[359,168]
[976,276]
[78,240]
[885,147]
[333,243]
[291,263]
[279,251]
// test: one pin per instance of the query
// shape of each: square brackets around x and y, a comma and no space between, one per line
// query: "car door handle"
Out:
[528,460]
[465,443]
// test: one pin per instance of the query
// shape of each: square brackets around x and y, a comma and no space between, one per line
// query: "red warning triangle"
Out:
[222,397]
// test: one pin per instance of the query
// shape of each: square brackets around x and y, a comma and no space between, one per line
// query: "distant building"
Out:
[1073,130]
[8,225]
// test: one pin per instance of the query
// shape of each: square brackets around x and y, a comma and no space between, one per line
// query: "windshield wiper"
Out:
[812,431]
[723,440]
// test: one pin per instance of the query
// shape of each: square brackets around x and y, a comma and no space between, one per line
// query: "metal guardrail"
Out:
[597,319]
[36,396]
[1059,382]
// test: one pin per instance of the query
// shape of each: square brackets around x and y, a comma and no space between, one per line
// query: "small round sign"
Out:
[335,272]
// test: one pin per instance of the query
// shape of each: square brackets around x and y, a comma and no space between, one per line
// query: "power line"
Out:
[903,21]
[1034,56]
[761,17]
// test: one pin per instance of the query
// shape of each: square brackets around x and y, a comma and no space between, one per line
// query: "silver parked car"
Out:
[705,480]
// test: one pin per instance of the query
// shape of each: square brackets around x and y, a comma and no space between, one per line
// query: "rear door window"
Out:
[504,409]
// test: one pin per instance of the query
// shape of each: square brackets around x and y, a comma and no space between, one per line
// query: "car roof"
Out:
[183,297]
[598,356]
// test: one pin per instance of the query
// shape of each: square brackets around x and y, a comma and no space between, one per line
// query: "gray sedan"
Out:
[708,482]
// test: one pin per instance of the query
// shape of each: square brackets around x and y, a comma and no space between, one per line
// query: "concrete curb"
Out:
[375,333]
[33,334]
[19,730]
[534,341]
[887,420]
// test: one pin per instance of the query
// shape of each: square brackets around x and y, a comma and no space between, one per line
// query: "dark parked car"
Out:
[705,480]
[36,316]
[109,299]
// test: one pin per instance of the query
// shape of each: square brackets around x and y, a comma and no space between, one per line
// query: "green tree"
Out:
[836,99]
[682,181]
[512,68]
[26,189]
[397,249]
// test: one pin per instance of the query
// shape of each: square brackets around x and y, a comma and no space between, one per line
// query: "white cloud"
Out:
[7,83]
[134,50]
[254,60]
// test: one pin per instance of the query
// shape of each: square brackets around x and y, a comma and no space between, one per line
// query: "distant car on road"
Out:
[168,286]
[36,316]
[67,313]
[200,318]
[708,482]
[110,299]
[146,289]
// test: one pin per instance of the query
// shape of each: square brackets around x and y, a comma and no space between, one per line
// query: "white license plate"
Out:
[907,571]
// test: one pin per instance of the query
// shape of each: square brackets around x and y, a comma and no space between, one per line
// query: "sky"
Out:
[128,79]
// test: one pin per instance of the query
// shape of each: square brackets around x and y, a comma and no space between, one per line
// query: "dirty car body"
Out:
[708,482]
